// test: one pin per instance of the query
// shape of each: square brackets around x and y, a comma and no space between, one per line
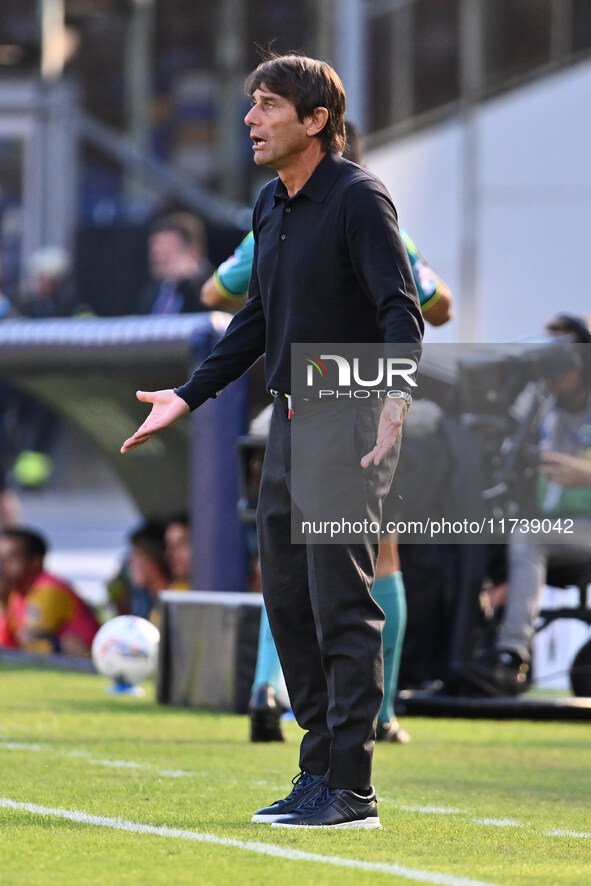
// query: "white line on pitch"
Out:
[487,822]
[560,832]
[136,827]
[429,810]
[115,764]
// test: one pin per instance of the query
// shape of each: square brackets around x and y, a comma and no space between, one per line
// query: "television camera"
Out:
[502,392]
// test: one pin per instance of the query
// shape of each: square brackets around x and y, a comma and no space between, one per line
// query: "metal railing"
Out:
[161,175]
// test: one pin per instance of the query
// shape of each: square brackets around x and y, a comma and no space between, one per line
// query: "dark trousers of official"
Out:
[326,626]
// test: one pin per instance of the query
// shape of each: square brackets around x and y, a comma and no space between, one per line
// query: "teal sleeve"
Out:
[233,275]
[425,279]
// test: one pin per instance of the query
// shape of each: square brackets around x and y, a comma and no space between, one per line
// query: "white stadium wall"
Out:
[499,202]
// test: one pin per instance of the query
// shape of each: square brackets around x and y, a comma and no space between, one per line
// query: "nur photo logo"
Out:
[378,376]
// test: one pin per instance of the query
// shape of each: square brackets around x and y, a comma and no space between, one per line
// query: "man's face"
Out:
[15,565]
[178,550]
[164,249]
[569,385]
[142,566]
[278,135]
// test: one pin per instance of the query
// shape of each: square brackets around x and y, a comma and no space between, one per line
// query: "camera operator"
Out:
[563,489]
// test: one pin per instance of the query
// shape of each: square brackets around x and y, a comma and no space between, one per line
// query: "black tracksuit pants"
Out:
[326,626]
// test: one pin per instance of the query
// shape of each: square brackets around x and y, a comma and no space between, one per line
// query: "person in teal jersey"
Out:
[434,294]
[226,290]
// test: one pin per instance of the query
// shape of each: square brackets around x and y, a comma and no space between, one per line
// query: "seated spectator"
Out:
[148,569]
[178,264]
[179,550]
[39,612]
[563,490]
[48,290]
[119,591]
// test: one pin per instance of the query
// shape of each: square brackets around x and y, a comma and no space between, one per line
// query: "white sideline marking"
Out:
[115,764]
[487,822]
[260,848]
[559,832]
[431,810]
[183,773]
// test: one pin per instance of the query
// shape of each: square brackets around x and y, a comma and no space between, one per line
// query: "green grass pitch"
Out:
[102,790]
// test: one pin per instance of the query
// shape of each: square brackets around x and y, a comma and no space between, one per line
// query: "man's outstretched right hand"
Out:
[167,407]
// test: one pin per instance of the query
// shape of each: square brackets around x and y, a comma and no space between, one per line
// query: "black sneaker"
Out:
[305,786]
[334,808]
[506,675]
[265,715]
[392,732]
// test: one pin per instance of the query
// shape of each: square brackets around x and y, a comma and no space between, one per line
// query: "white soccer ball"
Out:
[126,649]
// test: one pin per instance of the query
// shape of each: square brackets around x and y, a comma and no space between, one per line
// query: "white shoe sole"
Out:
[266,819]
[366,824]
